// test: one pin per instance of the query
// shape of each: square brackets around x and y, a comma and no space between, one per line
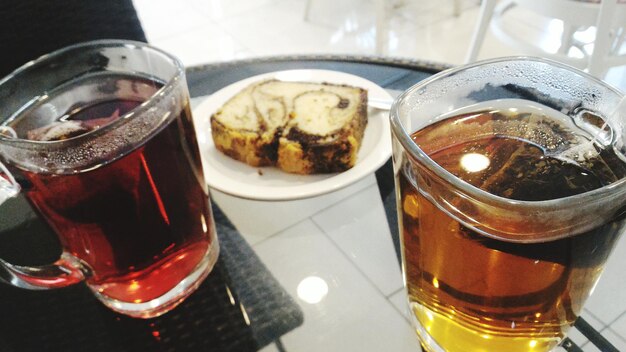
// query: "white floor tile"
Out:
[319,40]
[351,315]
[220,9]
[164,18]
[276,19]
[276,35]
[257,220]
[448,41]
[619,326]
[400,302]
[349,15]
[608,301]
[203,44]
[358,225]
[426,13]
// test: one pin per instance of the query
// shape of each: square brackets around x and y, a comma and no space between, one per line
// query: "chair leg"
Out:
[486,12]
[456,7]
[382,30]
[620,38]
[602,43]
[307,10]
[567,38]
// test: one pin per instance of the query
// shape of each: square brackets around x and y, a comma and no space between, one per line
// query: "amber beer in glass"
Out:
[511,189]
[101,141]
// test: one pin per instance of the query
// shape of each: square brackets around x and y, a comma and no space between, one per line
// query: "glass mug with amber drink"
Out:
[99,138]
[511,188]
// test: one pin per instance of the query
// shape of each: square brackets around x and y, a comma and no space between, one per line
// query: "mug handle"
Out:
[64,272]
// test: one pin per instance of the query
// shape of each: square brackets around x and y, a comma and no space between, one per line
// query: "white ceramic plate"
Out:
[270,183]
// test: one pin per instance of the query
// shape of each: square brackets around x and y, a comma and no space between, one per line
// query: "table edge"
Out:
[401,62]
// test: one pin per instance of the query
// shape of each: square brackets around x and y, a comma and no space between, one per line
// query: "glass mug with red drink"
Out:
[100,139]
[511,185]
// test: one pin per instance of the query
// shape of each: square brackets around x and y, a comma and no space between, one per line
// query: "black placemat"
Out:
[239,307]
[270,309]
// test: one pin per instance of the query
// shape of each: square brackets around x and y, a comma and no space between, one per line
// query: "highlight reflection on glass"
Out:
[474,162]
[312,289]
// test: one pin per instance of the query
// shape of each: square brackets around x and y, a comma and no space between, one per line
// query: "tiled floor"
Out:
[347,228]
[220,30]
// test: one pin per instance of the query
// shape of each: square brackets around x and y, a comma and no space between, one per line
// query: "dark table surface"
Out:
[242,306]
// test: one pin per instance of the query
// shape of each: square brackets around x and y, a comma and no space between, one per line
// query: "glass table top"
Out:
[314,274]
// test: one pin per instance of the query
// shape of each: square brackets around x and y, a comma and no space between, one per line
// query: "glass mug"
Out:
[511,195]
[99,138]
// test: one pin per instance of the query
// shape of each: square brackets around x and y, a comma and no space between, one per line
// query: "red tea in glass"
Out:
[117,174]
